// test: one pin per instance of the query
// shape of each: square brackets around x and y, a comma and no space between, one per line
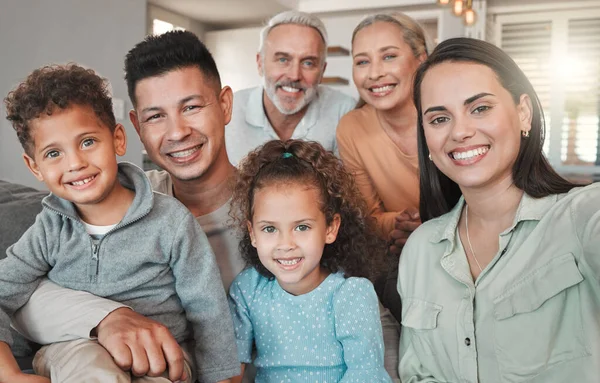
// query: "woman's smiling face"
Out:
[383,65]
[472,125]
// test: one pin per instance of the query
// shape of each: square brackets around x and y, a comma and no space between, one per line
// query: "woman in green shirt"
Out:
[501,282]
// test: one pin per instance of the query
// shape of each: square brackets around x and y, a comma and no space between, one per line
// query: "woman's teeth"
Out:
[382,89]
[469,154]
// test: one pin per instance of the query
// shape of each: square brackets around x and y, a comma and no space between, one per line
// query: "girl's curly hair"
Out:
[357,251]
[52,88]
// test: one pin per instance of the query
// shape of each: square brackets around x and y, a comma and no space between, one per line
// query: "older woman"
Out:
[378,140]
[501,282]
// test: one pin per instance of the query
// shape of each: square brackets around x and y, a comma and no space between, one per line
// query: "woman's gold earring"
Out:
[430,159]
[525,133]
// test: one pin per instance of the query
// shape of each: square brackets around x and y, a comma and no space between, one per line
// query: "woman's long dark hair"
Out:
[531,172]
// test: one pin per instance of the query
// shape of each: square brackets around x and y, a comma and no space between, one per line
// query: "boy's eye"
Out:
[269,229]
[153,117]
[88,142]
[360,62]
[302,227]
[52,154]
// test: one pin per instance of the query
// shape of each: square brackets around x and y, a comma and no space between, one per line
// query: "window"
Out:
[560,54]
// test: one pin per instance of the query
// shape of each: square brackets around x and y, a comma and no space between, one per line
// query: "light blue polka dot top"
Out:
[331,334]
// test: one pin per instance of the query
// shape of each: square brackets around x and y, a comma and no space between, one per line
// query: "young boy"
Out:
[104,231]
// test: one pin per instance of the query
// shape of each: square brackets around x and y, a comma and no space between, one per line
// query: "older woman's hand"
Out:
[406,223]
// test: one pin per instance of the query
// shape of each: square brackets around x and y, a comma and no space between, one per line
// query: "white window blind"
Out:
[582,102]
[560,54]
[529,45]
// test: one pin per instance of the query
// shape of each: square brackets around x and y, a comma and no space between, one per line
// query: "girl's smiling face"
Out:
[472,124]
[289,232]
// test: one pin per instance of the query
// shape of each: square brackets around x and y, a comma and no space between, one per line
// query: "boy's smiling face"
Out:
[74,154]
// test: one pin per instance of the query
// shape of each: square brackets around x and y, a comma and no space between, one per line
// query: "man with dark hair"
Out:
[180,113]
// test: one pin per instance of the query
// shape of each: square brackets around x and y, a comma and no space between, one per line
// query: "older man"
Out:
[290,103]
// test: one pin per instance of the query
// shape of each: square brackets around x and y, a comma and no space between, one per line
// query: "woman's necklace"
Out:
[469,238]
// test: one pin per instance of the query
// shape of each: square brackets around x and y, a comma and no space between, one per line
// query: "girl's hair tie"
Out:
[286,155]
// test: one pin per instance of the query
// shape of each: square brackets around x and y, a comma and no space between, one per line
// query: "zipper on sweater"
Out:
[94,262]
[93,267]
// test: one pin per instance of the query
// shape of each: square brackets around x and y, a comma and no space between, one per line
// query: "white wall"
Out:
[155,12]
[234,51]
[94,33]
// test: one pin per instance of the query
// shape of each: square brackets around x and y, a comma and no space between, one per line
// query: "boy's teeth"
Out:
[469,154]
[82,182]
[290,89]
[382,89]
[185,153]
[288,262]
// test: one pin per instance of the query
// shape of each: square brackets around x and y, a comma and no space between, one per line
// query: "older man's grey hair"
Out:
[293,17]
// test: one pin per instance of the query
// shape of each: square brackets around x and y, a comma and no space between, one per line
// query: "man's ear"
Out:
[333,229]
[226,101]
[33,167]
[120,140]
[259,64]
[134,120]
[252,239]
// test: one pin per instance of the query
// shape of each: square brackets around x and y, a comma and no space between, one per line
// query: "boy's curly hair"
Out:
[52,87]
[357,251]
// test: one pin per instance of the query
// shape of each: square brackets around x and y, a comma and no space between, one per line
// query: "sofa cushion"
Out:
[19,205]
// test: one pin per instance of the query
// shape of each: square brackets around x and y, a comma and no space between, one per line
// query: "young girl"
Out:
[305,302]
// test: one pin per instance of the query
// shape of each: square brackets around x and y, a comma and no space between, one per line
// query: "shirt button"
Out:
[467,341]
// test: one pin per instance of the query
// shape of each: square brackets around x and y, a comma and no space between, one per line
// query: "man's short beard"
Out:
[271,89]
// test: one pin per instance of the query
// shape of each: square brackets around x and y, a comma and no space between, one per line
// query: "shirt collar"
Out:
[255,111]
[530,209]
[256,116]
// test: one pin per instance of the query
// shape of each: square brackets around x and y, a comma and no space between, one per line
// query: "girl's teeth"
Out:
[288,262]
[185,153]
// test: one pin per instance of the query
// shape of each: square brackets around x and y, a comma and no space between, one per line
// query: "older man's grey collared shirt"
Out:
[250,127]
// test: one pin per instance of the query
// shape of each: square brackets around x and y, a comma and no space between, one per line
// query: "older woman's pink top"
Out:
[387,178]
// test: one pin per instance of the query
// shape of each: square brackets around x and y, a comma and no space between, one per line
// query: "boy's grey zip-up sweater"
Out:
[157,260]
